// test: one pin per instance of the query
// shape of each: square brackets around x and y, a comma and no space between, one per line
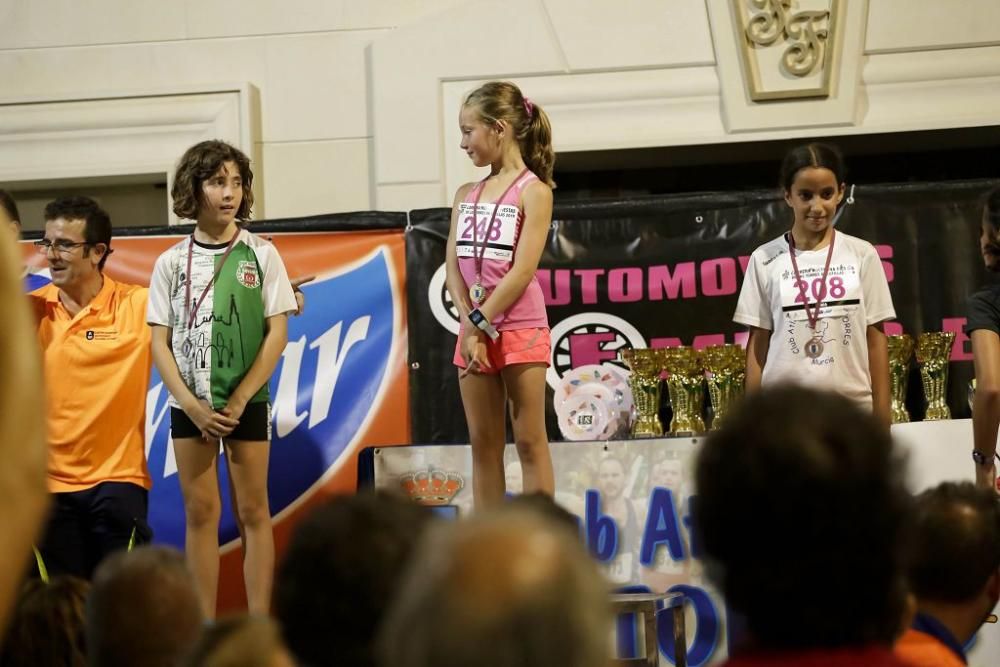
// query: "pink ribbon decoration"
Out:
[529,107]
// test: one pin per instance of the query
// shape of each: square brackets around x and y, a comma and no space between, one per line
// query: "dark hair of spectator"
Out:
[142,603]
[821,156]
[545,507]
[48,624]
[956,545]
[341,571]
[237,641]
[201,162]
[97,222]
[8,204]
[991,215]
[802,517]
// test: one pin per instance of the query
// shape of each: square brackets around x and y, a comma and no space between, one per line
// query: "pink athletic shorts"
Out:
[517,346]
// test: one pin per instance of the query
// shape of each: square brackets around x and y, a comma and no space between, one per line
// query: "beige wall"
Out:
[305,59]
[350,104]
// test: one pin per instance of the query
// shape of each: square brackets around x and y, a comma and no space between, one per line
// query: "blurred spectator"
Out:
[802,517]
[143,606]
[511,589]
[22,431]
[340,573]
[241,641]
[47,627]
[546,507]
[954,572]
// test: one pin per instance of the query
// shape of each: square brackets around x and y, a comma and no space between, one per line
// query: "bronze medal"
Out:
[814,348]
[477,293]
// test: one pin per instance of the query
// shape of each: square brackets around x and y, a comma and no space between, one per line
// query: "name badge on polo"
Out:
[109,334]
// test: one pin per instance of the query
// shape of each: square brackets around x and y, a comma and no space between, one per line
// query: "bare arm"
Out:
[275,339]
[474,342]
[878,368]
[24,498]
[453,276]
[757,344]
[986,404]
[211,423]
[537,202]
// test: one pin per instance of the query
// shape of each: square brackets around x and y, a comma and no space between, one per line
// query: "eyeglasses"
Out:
[64,248]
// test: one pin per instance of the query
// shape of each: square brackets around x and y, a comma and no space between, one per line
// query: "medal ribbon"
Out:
[189,315]
[811,317]
[479,256]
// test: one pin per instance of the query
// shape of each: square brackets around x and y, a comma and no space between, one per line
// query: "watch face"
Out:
[979,457]
[476,317]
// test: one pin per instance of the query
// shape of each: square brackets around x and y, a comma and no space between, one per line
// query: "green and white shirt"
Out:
[227,330]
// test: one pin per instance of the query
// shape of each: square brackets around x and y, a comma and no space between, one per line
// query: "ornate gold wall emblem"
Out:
[786,46]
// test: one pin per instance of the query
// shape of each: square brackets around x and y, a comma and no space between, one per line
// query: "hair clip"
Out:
[529,107]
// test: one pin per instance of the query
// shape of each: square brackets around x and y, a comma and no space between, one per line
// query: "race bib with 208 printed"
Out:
[840,294]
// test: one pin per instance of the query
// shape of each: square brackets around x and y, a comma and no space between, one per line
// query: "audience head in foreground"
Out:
[802,518]
[142,603]
[508,589]
[954,571]
[342,569]
[241,641]
[47,626]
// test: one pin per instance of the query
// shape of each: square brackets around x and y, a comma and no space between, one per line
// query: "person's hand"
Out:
[300,297]
[986,476]
[212,424]
[234,408]
[474,353]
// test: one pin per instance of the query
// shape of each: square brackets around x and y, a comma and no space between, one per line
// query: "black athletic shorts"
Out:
[255,424]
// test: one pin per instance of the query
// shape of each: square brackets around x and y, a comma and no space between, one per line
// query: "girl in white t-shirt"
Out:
[815,299]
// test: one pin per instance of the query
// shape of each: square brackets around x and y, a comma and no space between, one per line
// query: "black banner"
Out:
[652,272]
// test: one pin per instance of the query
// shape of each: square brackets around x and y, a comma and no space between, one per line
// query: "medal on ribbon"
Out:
[477,293]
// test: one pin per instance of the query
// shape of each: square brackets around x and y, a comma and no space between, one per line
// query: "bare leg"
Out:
[197,469]
[248,461]
[483,400]
[236,516]
[526,387]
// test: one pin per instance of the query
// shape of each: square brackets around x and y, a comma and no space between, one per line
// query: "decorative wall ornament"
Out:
[786,46]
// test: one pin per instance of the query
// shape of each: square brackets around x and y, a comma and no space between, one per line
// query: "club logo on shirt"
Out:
[247,274]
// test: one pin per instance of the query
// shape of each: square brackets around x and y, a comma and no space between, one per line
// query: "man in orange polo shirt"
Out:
[96,347]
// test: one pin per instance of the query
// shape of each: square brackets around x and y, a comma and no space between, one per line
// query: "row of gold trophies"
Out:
[722,369]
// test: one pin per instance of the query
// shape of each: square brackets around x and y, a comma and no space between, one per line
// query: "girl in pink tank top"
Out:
[498,231]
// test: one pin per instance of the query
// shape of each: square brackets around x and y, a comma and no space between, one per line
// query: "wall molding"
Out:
[418,79]
[142,132]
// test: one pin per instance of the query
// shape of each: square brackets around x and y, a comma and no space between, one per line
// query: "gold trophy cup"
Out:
[685,382]
[644,380]
[725,374]
[900,352]
[933,353]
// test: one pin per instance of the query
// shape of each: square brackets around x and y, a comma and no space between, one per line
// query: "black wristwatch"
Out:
[477,318]
[981,459]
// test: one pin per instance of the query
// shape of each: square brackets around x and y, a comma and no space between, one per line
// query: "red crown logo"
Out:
[432,487]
